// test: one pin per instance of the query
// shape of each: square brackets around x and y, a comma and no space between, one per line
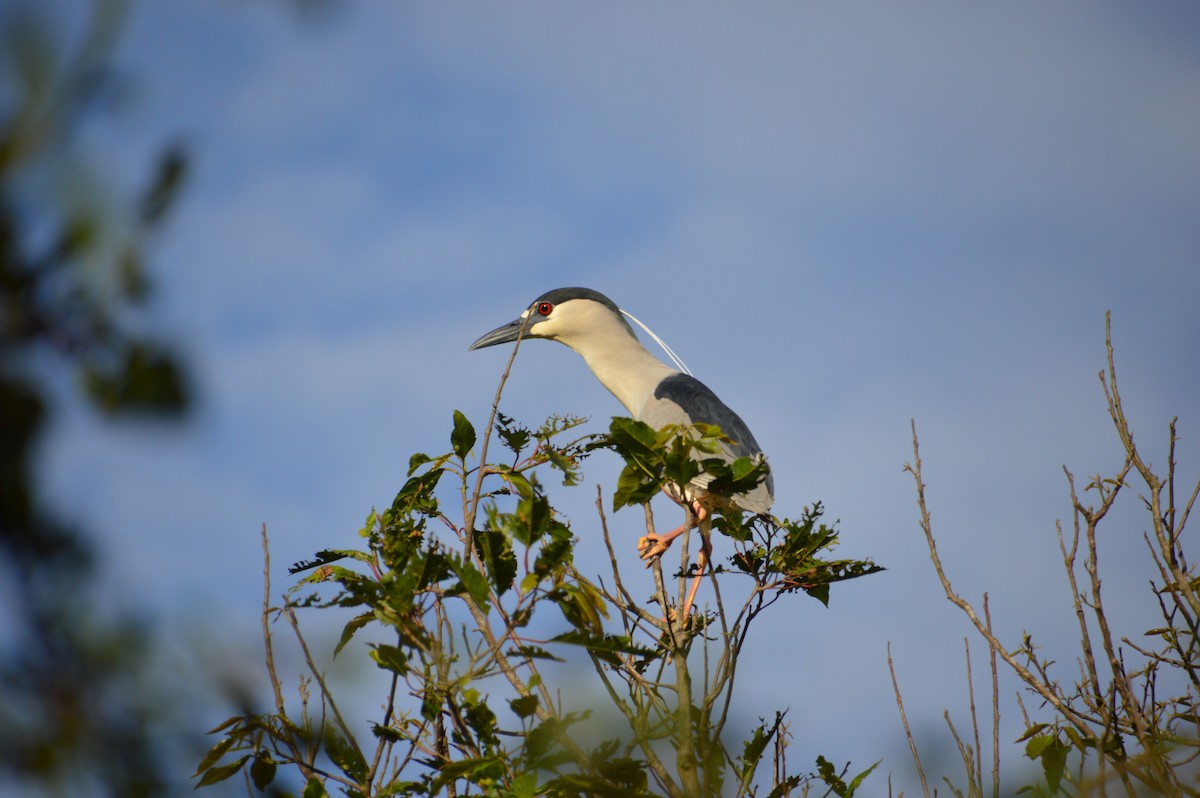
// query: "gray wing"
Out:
[682,399]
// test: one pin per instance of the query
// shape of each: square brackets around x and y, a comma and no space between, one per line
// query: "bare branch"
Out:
[912,743]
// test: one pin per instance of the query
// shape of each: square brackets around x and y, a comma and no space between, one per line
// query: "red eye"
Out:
[544,308]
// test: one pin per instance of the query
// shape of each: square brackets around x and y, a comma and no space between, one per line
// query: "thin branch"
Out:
[272,674]
[987,614]
[912,744]
[978,774]
[1041,687]
[477,494]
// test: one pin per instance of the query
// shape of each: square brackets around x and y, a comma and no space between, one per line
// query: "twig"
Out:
[272,674]
[1039,686]
[977,776]
[326,694]
[912,744]
[987,614]
[477,495]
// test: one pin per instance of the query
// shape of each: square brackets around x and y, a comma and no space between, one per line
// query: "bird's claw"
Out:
[652,546]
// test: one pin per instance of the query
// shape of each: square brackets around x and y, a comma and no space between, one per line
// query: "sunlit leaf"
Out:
[462,439]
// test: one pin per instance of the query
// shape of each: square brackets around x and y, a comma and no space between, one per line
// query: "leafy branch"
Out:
[460,602]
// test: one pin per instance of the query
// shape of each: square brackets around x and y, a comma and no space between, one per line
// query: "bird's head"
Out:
[567,315]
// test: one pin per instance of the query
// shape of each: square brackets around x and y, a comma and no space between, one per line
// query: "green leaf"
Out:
[352,626]
[416,461]
[345,754]
[323,557]
[514,436]
[1053,754]
[480,718]
[218,774]
[470,581]
[262,771]
[635,438]
[752,750]
[605,647]
[828,774]
[819,592]
[391,658]
[386,733]
[524,706]
[553,557]
[315,788]
[533,652]
[226,724]
[786,787]
[462,439]
[858,780]
[216,752]
[1036,745]
[498,557]
[634,487]
[525,786]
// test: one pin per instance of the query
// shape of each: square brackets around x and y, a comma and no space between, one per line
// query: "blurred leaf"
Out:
[262,771]
[391,658]
[534,652]
[216,752]
[314,788]
[524,706]
[554,555]
[227,724]
[470,581]
[752,750]
[480,718]
[356,623]
[146,379]
[219,774]
[1053,755]
[345,754]
[172,169]
[1031,731]
[604,646]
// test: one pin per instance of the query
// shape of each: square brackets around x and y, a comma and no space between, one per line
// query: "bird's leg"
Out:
[701,564]
[653,545]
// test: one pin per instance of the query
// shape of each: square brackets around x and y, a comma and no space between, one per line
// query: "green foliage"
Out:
[671,456]
[787,554]
[1051,752]
[450,591]
[836,781]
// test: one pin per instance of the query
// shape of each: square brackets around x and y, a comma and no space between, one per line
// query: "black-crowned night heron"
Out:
[652,392]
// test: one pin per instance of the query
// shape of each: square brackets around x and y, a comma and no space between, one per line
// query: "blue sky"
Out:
[842,216]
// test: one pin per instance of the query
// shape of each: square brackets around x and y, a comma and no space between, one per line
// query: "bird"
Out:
[653,392]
